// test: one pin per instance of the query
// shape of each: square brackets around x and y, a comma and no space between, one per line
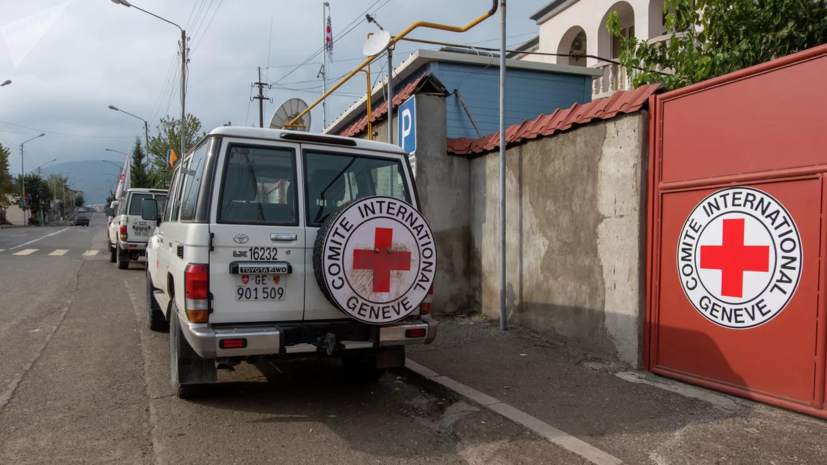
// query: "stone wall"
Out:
[443,184]
[575,210]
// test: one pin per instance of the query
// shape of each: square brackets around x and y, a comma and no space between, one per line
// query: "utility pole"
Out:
[390,94]
[23,183]
[325,6]
[183,94]
[261,98]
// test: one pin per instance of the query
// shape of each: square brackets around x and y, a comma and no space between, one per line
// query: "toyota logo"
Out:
[241,238]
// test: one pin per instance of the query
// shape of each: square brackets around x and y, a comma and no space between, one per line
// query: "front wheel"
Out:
[157,322]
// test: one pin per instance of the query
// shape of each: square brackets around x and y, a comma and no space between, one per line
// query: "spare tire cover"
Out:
[375,259]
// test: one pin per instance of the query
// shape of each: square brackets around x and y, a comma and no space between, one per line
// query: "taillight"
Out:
[415,333]
[197,288]
[124,234]
[425,307]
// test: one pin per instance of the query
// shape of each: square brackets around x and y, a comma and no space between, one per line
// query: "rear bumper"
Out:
[274,339]
[133,246]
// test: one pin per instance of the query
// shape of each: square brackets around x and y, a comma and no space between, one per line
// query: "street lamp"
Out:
[41,166]
[184,62]
[146,125]
[112,162]
[7,82]
[23,177]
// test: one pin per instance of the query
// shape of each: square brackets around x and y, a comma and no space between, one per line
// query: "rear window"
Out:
[259,186]
[135,203]
[335,179]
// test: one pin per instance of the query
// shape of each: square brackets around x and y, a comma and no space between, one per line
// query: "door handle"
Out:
[281,237]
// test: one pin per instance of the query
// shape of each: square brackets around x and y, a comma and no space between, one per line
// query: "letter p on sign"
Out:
[407,126]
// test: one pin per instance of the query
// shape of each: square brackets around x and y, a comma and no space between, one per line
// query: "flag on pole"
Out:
[124,181]
[171,158]
[328,39]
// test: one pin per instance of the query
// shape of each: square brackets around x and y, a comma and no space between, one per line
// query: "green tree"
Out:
[139,176]
[79,199]
[6,183]
[110,197]
[57,183]
[168,137]
[710,38]
[39,190]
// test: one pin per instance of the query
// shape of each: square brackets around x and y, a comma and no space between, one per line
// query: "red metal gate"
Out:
[736,233]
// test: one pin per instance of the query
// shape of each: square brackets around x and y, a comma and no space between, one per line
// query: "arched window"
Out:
[573,43]
[607,45]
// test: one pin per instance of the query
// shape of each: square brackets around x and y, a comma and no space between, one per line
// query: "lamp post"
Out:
[23,177]
[41,166]
[183,68]
[6,82]
[146,127]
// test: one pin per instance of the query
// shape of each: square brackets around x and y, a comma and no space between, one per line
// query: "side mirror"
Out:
[110,212]
[149,209]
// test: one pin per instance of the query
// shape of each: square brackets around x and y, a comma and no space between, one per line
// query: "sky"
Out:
[69,60]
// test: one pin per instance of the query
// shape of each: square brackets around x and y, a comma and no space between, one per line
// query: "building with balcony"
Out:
[578,27]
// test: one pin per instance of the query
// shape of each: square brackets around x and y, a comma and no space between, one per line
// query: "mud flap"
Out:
[390,357]
[187,367]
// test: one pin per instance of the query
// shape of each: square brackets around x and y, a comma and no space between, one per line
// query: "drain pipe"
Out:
[503,325]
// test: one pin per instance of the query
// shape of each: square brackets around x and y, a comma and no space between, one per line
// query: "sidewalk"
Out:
[634,416]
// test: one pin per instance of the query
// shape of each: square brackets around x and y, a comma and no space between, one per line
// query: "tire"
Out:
[155,316]
[122,264]
[362,370]
[183,359]
[113,257]
[318,251]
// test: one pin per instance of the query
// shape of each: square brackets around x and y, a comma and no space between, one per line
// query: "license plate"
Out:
[260,287]
[142,232]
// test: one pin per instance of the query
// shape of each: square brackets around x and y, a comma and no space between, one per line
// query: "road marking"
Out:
[2,250]
[40,238]
[555,436]
[90,253]
[26,252]
[59,252]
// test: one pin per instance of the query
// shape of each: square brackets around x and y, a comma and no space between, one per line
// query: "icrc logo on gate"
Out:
[378,259]
[739,257]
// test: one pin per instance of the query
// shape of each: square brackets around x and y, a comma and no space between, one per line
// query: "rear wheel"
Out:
[188,372]
[156,321]
[112,251]
[362,369]
[120,255]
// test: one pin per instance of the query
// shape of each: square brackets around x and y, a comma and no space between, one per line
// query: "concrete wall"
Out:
[575,235]
[443,184]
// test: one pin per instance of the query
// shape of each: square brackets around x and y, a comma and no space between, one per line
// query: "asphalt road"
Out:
[82,380]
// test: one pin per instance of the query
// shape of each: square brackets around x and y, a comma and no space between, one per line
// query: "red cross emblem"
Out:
[733,258]
[382,260]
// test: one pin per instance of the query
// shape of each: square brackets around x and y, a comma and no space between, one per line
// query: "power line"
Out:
[65,134]
[208,26]
[346,31]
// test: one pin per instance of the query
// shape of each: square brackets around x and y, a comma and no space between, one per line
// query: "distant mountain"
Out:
[88,176]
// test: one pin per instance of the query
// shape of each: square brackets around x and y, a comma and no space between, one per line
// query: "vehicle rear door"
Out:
[137,228]
[333,177]
[257,267]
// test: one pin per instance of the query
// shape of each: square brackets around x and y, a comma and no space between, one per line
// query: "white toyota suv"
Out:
[289,245]
[128,232]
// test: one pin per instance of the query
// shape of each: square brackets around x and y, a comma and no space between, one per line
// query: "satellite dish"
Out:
[376,43]
[287,112]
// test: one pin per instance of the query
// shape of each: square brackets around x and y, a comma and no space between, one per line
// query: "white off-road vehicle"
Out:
[289,245]
[128,232]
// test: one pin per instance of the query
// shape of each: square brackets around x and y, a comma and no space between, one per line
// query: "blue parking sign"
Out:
[407,125]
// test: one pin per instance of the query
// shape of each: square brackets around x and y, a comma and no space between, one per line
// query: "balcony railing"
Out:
[617,77]
[614,78]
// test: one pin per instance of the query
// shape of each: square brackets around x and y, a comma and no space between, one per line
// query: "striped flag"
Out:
[171,158]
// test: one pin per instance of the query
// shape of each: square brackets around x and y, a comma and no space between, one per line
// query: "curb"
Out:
[539,427]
